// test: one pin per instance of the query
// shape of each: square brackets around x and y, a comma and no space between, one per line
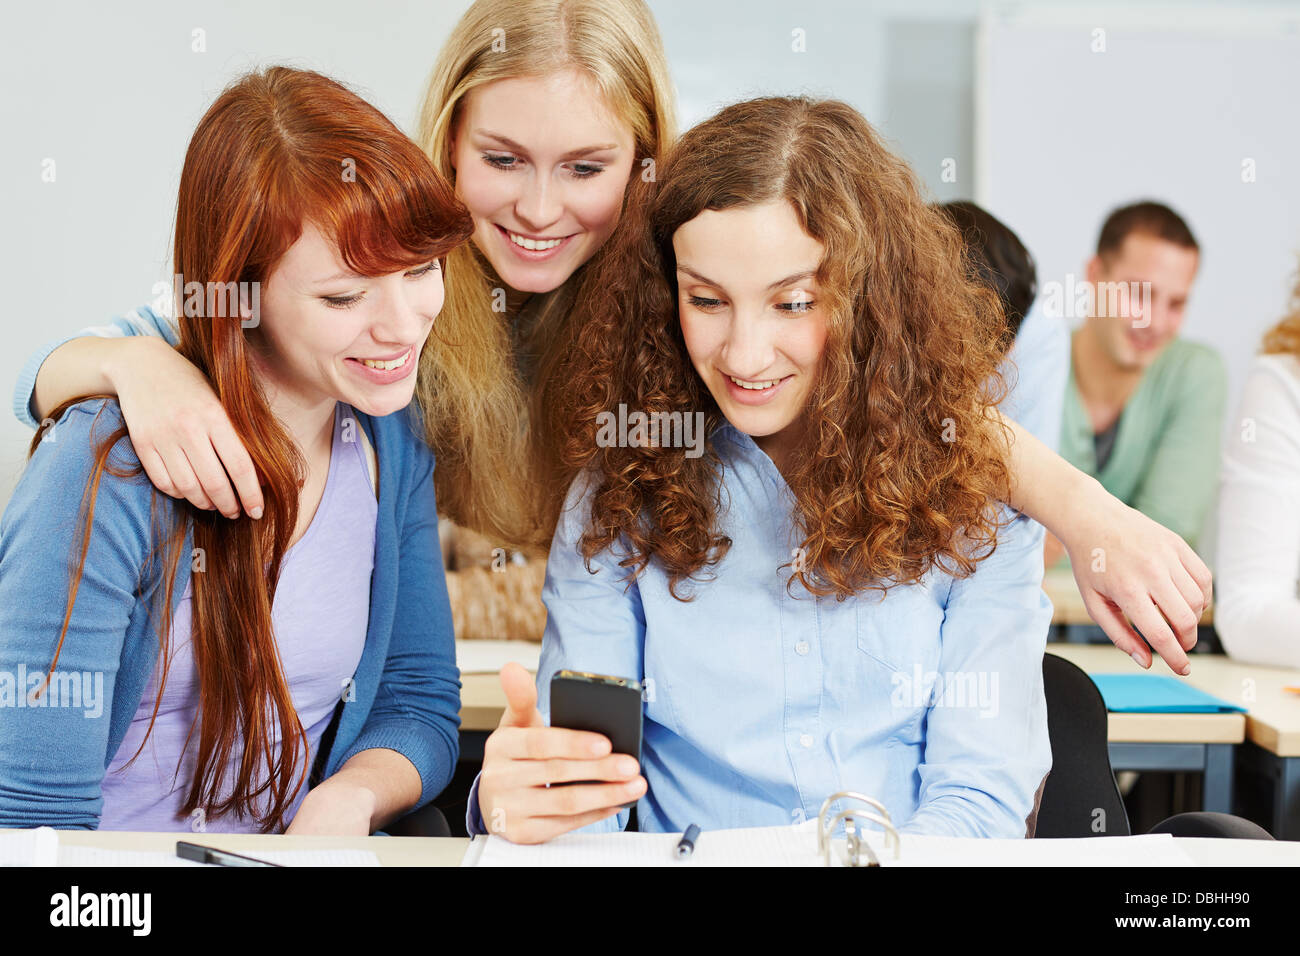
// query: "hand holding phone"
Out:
[523,758]
[599,703]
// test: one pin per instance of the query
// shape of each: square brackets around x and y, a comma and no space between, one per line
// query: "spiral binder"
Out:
[856,846]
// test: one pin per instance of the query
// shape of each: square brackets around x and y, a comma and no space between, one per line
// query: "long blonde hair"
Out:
[496,466]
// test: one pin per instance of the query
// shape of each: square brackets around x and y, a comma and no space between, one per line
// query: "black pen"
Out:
[209,854]
[686,845]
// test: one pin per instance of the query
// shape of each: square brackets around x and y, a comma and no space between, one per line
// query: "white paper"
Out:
[38,847]
[760,846]
[797,846]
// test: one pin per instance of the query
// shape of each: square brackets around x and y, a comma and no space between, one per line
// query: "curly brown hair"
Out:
[901,465]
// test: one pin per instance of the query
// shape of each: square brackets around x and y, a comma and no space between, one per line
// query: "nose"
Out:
[1165,317]
[409,309]
[539,205]
[1156,314]
[748,350]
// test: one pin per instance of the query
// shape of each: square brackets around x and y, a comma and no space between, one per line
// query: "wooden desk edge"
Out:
[1175,728]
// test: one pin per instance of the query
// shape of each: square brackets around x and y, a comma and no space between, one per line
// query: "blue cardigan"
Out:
[406,694]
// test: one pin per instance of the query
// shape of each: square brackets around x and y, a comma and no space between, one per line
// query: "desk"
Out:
[1270,728]
[482,701]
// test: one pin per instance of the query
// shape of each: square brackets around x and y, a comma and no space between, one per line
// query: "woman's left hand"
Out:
[334,808]
[1127,564]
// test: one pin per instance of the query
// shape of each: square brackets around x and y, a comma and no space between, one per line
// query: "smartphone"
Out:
[602,704]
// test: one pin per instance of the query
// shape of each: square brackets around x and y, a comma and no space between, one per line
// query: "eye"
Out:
[423,270]
[501,161]
[342,301]
[803,305]
[702,303]
[586,170]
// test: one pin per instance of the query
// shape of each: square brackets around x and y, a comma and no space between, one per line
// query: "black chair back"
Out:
[1207,824]
[1080,798]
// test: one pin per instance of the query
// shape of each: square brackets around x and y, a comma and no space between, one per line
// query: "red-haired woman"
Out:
[168,670]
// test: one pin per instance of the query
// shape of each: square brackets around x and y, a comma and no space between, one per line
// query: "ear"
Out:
[1093,270]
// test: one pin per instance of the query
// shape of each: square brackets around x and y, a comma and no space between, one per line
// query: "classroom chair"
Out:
[1080,792]
[1080,798]
[1206,824]
[428,821]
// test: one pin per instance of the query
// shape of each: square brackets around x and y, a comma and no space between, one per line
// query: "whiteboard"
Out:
[1195,107]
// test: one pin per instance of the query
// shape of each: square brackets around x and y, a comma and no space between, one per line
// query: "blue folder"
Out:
[1157,694]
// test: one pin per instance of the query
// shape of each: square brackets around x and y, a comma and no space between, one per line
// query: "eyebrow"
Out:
[509,143]
[336,276]
[796,277]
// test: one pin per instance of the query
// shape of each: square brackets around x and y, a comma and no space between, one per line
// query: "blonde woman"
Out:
[1258,611]
[547,114]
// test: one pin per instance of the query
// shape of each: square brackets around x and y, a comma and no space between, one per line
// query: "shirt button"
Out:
[801,648]
[806,741]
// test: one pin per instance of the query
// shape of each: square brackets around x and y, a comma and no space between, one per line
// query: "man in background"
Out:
[1144,408]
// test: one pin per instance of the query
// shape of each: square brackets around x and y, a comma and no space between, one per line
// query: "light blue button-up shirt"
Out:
[760,704]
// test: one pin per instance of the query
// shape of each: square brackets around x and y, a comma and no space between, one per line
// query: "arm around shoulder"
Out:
[83,363]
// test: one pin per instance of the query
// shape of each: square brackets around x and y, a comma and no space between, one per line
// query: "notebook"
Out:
[813,843]
[1157,694]
[797,846]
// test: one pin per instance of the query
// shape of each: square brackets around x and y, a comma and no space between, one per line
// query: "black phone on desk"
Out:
[601,704]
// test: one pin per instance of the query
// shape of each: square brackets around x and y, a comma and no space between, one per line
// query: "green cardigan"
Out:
[1165,459]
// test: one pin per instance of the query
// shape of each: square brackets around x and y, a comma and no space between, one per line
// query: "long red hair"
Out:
[278,148]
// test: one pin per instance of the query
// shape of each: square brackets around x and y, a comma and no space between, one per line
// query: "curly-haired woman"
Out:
[830,596]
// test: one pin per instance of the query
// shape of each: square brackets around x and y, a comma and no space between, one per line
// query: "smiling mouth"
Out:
[757,386]
[386,365]
[531,243]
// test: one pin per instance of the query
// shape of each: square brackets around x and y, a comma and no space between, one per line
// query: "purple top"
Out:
[320,615]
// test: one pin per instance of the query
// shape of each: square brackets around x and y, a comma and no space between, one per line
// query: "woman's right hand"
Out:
[180,432]
[523,756]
